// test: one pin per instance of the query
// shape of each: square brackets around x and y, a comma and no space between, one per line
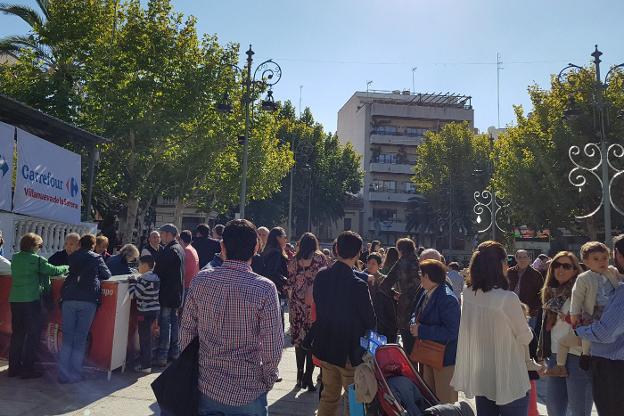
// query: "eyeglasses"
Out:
[566,266]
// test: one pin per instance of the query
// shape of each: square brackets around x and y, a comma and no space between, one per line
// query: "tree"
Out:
[142,77]
[445,175]
[325,173]
[533,166]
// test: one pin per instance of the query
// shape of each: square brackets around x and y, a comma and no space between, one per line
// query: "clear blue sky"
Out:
[332,47]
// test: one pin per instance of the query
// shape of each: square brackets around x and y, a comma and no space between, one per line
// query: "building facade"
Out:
[386,129]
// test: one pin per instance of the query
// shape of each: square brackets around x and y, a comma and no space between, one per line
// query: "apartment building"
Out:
[386,127]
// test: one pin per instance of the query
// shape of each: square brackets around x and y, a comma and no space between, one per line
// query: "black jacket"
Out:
[170,270]
[206,249]
[60,258]
[86,270]
[275,268]
[344,312]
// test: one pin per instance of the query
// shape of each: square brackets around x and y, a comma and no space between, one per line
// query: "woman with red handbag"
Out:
[436,327]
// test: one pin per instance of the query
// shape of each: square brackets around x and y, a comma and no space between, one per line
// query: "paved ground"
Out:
[130,394]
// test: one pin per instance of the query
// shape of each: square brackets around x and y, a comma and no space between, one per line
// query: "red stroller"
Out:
[390,360]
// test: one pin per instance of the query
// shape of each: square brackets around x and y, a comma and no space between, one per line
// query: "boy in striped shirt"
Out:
[145,290]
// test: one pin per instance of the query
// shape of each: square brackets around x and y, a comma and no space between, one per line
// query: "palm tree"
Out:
[14,44]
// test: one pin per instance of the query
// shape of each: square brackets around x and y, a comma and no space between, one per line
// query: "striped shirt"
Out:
[236,315]
[607,334]
[145,290]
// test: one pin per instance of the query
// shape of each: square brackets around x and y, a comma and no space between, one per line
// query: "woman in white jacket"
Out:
[493,335]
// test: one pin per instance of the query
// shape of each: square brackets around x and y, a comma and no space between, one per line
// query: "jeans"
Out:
[208,407]
[77,319]
[487,407]
[572,394]
[26,331]
[608,378]
[146,319]
[169,342]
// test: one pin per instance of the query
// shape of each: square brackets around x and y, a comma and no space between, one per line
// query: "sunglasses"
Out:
[566,266]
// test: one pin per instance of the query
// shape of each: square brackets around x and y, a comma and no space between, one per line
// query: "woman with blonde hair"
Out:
[568,389]
[31,279]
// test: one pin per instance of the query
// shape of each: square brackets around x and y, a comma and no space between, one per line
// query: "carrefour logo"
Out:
[4,166]
[47,179]
[72,186]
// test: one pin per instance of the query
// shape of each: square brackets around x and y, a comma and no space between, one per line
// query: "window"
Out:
[347,224]
[387,158]
[383,186]
[410,187]
[389,186]
[384,214]
[385,130]
[415,131]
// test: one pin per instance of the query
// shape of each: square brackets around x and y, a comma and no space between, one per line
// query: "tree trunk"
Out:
[179,210]
[132,205]
[590,229]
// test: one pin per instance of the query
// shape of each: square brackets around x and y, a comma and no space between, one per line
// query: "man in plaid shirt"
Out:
[236,315]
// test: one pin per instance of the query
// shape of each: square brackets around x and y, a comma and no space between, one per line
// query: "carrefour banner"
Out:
[7,146]
[48,180]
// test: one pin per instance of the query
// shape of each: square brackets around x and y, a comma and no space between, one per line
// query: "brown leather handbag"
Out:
[429,353]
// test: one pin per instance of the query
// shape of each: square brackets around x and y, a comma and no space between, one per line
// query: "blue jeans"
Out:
[208,407]
[572,394]
[169,342]
[487,407]
[77,319]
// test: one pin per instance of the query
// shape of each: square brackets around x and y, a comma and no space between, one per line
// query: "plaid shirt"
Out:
[236,315]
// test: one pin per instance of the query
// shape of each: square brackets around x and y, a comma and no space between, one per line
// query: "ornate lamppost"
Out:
[488,200]
[602,154]
[266,74]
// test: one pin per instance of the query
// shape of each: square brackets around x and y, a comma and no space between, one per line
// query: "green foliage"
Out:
[445,172]
[532,162]
[325,173]
[141,76]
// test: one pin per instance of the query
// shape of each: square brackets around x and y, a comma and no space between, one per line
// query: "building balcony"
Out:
[390,196]
[389,225]
[404,168]
[401,139]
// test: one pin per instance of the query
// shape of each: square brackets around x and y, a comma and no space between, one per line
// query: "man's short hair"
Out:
[203,230]
[349,245]
[30,242]
[169,228]
[454,266]
[147,259]
[593,247]
[240,239]
[430,254]
[521,251]
[218,230]
[376,257]
[434,269]
[87,242]
[186,236]
[618,243]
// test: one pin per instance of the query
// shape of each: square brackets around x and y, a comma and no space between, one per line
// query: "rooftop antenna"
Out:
[413,83]
[300,90]
[499,67]
[368,84]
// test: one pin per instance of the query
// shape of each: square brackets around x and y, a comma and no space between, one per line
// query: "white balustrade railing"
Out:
[53,233]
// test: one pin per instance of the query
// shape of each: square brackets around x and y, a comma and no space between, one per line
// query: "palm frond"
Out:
[27,14]
[44,5]
[12,45]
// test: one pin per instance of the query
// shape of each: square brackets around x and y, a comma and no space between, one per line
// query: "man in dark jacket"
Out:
[344,312]
[170,270]
[527,283]
[206,247]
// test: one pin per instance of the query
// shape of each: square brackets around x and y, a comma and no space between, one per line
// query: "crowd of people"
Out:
[501,322]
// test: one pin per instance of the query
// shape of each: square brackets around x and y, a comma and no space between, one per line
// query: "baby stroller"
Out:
[390,360]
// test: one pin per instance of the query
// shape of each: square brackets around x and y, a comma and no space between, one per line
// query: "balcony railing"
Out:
[52,232]
[398,139]
[405,168]
[384,195]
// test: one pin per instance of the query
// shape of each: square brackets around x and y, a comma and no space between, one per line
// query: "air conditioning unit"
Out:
[398,92]
[406,92]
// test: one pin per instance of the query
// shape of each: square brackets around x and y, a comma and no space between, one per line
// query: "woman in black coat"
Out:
[276,261]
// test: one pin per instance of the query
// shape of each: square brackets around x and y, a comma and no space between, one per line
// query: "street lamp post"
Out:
[602,151]
[270,74]
[488,200]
